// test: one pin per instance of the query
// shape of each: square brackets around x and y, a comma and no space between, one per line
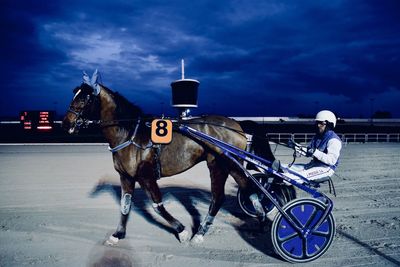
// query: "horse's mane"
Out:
[125,110]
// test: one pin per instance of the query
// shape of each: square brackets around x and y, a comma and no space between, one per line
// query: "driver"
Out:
[324,149]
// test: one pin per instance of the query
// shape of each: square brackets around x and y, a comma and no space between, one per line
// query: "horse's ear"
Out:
[86,78]
[95,76]
[95,83]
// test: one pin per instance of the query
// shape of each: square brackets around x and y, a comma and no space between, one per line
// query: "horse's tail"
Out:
[259,144]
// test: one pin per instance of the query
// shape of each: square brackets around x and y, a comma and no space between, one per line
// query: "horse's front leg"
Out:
[148,182]
[127,188]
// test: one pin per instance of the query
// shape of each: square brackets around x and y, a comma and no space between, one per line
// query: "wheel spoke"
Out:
[321,234]
[312,216]
[309,220]
[304,242]
[286,238]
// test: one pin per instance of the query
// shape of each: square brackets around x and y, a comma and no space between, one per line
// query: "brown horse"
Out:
[140,161]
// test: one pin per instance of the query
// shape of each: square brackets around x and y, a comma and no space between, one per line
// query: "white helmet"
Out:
[326,115]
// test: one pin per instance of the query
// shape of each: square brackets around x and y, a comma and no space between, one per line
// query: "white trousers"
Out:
[313,173]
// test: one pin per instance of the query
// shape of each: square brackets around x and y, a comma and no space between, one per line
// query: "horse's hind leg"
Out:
[127,188]
[249,189]
[218,173]
[149,184]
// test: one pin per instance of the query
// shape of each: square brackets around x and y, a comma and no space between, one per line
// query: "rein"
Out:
[242,133]
[81,121]
[150,143]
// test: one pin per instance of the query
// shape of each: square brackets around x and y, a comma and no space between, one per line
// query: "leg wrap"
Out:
[126,201]
[205,225]
[257,205]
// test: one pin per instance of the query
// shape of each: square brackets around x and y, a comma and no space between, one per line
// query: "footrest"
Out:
[316,182]
[322,179]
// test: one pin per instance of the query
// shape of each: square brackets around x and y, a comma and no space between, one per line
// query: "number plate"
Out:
[161,131]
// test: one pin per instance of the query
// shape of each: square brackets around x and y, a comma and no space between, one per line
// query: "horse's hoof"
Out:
[112,241]
[197,239]
[183,236]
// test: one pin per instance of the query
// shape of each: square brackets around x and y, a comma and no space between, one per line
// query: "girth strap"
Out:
[157,154]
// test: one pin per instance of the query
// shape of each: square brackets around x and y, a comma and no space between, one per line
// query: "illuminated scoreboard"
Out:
[37,120]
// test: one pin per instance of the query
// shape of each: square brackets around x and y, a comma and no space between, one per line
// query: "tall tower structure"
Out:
[184,93]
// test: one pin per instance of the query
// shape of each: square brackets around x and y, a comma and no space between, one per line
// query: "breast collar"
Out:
[131,141]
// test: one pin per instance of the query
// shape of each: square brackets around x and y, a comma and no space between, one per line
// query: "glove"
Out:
[310,152]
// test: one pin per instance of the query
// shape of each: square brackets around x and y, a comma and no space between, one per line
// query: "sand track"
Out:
[59,203]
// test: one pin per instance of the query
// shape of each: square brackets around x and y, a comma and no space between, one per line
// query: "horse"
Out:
[137,160]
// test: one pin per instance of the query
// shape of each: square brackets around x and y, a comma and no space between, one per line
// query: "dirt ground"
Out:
[59,203]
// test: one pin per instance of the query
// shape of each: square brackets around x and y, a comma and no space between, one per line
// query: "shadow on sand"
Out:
[248,228]
[104,256]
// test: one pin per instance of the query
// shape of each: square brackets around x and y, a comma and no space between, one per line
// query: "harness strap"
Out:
[131,142]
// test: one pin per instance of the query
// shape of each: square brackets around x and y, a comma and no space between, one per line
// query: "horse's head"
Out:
[84,105]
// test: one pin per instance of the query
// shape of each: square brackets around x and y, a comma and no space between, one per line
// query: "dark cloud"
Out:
[262,58]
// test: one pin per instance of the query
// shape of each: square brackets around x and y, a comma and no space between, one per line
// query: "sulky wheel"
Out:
[290,244]
[281,192]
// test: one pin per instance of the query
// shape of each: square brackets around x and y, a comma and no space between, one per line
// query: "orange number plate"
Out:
[161,131]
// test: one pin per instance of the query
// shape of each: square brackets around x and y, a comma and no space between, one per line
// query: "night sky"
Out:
[252,58]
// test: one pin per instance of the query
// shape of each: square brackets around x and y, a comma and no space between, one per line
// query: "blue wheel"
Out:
[281,192]
[290,244]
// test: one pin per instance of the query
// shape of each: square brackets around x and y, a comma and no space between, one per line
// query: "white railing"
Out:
[348,137]
[306,137]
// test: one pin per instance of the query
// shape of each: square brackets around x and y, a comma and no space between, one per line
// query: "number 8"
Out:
[161,129]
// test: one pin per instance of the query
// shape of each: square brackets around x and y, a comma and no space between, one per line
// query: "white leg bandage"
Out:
[208,219]
[126,201]
[257,204]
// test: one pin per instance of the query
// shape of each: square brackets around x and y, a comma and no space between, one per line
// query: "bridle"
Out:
[80,119]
